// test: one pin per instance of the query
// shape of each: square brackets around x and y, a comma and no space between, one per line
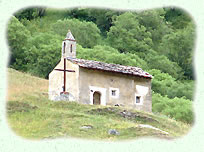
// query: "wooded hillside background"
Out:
[160,41]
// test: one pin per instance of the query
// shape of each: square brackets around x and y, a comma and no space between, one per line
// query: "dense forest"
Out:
[160,41]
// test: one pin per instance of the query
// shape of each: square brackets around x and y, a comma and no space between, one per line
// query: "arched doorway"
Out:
[97,98]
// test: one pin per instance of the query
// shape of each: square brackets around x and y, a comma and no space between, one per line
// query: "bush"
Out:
[165,84]
[177,108]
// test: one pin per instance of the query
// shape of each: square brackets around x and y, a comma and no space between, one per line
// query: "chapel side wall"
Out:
[125,83]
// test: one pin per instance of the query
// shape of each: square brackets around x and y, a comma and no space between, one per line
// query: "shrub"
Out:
[165,84]
[178,108]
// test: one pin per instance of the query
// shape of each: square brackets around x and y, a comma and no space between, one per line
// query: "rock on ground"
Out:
[86,127]
[113,132]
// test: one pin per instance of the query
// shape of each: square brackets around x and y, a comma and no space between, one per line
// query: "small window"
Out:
[71,48]
[64,48]
[138,99]
[114,92]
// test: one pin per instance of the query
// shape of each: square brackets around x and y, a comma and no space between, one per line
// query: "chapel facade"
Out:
[99,83]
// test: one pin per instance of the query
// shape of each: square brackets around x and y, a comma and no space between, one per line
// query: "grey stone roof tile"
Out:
[110,67]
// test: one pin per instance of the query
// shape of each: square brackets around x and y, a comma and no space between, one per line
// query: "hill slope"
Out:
[32,115]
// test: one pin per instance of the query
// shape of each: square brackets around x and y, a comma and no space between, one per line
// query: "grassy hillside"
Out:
[31,115]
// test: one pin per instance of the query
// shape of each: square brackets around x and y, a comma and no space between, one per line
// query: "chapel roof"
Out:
[69,36]
[89,64]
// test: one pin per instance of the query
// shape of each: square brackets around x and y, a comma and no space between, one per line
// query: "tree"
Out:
[18,37]
[177,18]
[128,35]
[101,17]
[178,47]
[154,22]
[86,33]
[43,53]
[30,13]
[162,63]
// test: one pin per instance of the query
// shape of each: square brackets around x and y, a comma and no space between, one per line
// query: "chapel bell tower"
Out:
[69,46]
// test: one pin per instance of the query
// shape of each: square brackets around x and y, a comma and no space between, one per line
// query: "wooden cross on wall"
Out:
[64,70]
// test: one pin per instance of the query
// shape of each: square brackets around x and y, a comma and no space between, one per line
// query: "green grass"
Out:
[31,115]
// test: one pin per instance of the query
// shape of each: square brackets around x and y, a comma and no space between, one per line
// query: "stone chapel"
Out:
[98,83]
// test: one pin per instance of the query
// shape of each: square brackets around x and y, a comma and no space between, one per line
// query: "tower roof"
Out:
[70,36]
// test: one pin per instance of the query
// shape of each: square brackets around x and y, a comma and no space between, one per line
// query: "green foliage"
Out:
[162,63]
[86,33]
[30,13]
[39,25]
[43,53]
[128,35]
[177,18]
[177,108]
[110,55]
[154,22]
[55,14]
[178,47]
[17,39]
[81,14]
[146,35]
[101,17]
[165,84]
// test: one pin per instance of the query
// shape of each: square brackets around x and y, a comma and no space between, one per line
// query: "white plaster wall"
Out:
[67,49]
[56,81]
[72,81]
[142,90]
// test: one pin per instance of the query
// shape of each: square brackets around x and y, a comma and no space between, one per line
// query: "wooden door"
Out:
[97,98]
